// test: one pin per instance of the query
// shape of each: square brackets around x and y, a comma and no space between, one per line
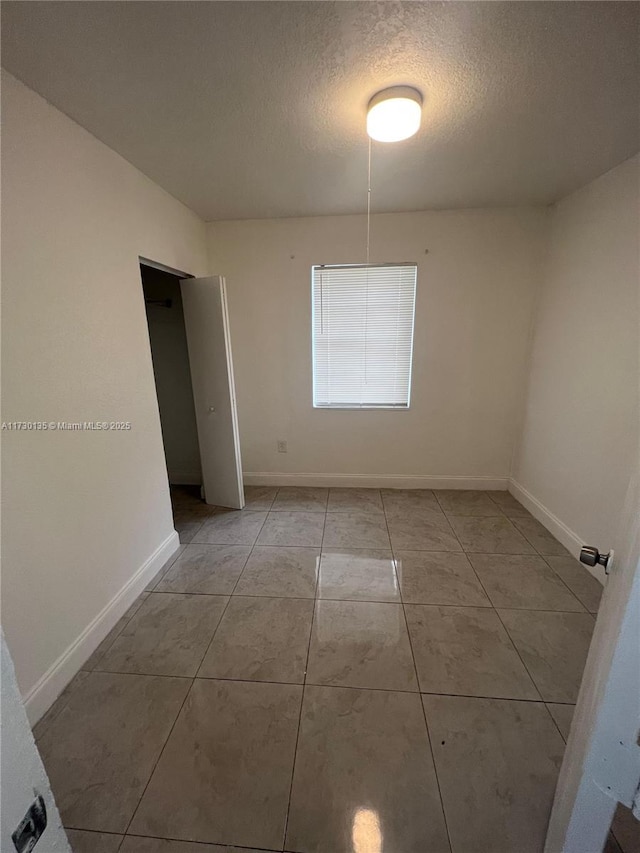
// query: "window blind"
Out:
[363,335]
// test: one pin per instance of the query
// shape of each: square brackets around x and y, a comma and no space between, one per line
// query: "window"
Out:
[363,335]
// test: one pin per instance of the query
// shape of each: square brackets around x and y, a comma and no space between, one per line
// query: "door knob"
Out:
[590,556]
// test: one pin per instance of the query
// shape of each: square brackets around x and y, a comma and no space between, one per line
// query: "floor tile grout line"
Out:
[562,580]
[547,563]
[558,575]
[94,668]
[577,612]
[250,554]
[513,643]
[554,721]
[324,531]
[536,609]
[160,754]
[172,592]
[269,508]
[194,594]
[537,550]
[511,640]
[222,615]
[435,770]
[209,644]
[482,586]
[238,847]
[446,518]
[288,509]
[300,598]
[435,494]
[195,532]
[144,674]
[500,511]
[415,669]
[37,736]
[123,838]
[493,698]
[94,831]
[166,568]
[246,544]
[187,694]
[297,509]
[439,550]
[488,492]
[304,684]
[417,692]
[315,591]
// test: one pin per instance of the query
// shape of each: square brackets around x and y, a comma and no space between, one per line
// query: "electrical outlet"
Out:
[31,827]
[282,447]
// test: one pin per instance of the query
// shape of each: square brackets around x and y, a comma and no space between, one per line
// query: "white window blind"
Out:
[363,335]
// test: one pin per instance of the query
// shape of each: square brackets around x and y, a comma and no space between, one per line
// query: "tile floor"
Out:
[331,671]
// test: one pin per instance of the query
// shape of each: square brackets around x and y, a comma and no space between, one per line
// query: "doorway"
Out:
[188,324]
[172,374]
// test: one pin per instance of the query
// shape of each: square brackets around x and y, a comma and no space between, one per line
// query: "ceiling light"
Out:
[394,114]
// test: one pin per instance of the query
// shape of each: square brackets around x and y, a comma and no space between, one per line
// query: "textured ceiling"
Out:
[257,109]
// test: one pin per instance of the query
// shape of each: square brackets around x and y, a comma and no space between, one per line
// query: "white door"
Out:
[206,322]
[601,765]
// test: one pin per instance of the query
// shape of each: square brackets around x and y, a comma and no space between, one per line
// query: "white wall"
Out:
[83,511]
[23,775]
[475,295]
[170,356]
[580,426]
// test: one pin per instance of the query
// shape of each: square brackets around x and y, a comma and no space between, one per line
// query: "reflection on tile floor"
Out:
[264,692]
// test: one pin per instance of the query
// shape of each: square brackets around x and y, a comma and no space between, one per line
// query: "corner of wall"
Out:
[570,462]
[542,273]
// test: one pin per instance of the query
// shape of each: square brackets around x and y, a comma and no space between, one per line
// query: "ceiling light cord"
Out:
[366,298]
[369,201]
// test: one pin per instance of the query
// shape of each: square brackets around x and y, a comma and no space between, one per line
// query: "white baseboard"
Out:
[567,537]
[374,481]
[47,689]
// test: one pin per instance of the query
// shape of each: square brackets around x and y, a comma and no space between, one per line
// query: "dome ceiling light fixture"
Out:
[394,114]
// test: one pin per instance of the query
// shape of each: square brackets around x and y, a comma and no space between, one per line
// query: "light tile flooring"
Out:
[331,671]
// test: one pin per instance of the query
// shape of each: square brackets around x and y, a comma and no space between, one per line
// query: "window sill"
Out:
[362,408]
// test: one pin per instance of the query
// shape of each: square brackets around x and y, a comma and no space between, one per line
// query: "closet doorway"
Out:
[193,366]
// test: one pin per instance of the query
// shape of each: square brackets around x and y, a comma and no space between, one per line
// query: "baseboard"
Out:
[47,689]
[567,537]
[374,481]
